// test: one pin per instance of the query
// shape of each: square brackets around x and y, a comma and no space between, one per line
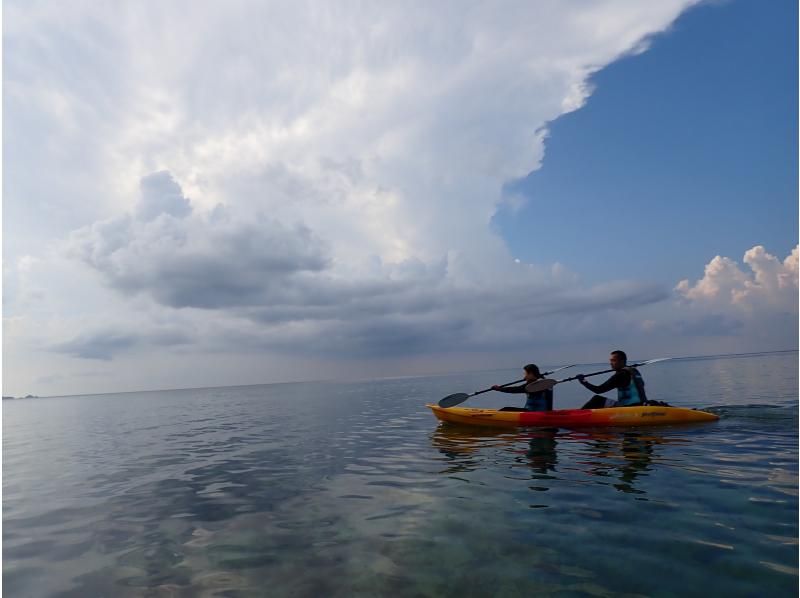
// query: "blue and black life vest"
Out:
[633,394]
[540,401]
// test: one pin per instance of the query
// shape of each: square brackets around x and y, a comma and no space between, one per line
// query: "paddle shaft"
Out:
[456,399]
[548,384]
[523,380]
[635,365]
[480,392]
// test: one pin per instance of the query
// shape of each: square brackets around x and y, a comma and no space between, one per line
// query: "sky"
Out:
[201,194]
[701,129]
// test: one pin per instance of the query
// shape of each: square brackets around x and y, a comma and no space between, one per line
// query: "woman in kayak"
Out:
[537,401]
[627,380]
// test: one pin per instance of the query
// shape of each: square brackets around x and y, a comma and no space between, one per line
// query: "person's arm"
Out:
[510,389]
[616,381]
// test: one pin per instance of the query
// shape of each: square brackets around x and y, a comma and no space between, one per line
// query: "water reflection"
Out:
[283,491]
[625,456]
[613,458]
[541,452]
[464,448]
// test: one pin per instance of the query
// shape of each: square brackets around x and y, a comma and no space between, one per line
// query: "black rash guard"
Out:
[620,379]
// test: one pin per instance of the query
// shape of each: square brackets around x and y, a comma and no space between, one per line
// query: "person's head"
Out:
[617,360]
[532,372]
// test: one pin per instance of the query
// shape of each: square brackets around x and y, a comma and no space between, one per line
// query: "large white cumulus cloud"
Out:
[736,307]
[390,127]
[289,175]
[770,284]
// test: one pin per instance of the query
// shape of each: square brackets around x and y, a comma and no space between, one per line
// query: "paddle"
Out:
[541,385]
[460,397]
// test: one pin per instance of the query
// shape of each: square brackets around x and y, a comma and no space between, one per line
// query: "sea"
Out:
[331,489]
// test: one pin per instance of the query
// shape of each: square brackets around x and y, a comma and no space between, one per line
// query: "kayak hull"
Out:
[573,418]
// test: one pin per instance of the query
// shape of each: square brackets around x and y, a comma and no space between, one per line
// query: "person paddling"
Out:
[537,401]
[627,380]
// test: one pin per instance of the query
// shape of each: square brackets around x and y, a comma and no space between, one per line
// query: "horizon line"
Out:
[351,380]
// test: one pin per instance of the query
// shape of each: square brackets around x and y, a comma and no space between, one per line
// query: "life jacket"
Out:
[540,401]
[634,393]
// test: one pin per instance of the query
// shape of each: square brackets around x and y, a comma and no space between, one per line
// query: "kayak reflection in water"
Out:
[537,401]
[627,380]
[464,449]
[638,453]
[629,455]
[541,452]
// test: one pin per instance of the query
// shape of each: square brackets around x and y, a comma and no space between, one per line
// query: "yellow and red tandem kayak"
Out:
[573,418]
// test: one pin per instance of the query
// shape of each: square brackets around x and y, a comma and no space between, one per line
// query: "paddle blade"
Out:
[541,385]
[453,400]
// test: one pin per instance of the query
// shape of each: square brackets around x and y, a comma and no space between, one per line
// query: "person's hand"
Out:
[495,387]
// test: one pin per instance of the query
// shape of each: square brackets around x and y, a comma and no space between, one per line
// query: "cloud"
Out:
[97,346]
[186,260]
[292,295]
[379,323]
[161,195]
[105,344]
[769,285]
[298,177]
[693,325]
[735,307]
[390,130]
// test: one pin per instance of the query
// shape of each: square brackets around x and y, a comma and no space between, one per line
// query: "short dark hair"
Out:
[532,368]
[621,355]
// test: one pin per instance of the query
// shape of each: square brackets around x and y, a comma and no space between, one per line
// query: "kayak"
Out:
[573,418]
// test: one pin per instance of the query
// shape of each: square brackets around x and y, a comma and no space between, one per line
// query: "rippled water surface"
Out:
[324,489]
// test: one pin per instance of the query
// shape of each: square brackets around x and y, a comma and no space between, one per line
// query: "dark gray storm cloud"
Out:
[183,260]
[161,194]
[266,286]
[325,317]
[106,343]
[99,345]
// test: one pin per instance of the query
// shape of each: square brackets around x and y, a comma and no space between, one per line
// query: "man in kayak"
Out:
[537,401]
[627,380]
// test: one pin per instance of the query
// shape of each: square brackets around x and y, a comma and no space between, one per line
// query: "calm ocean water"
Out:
[342,489]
